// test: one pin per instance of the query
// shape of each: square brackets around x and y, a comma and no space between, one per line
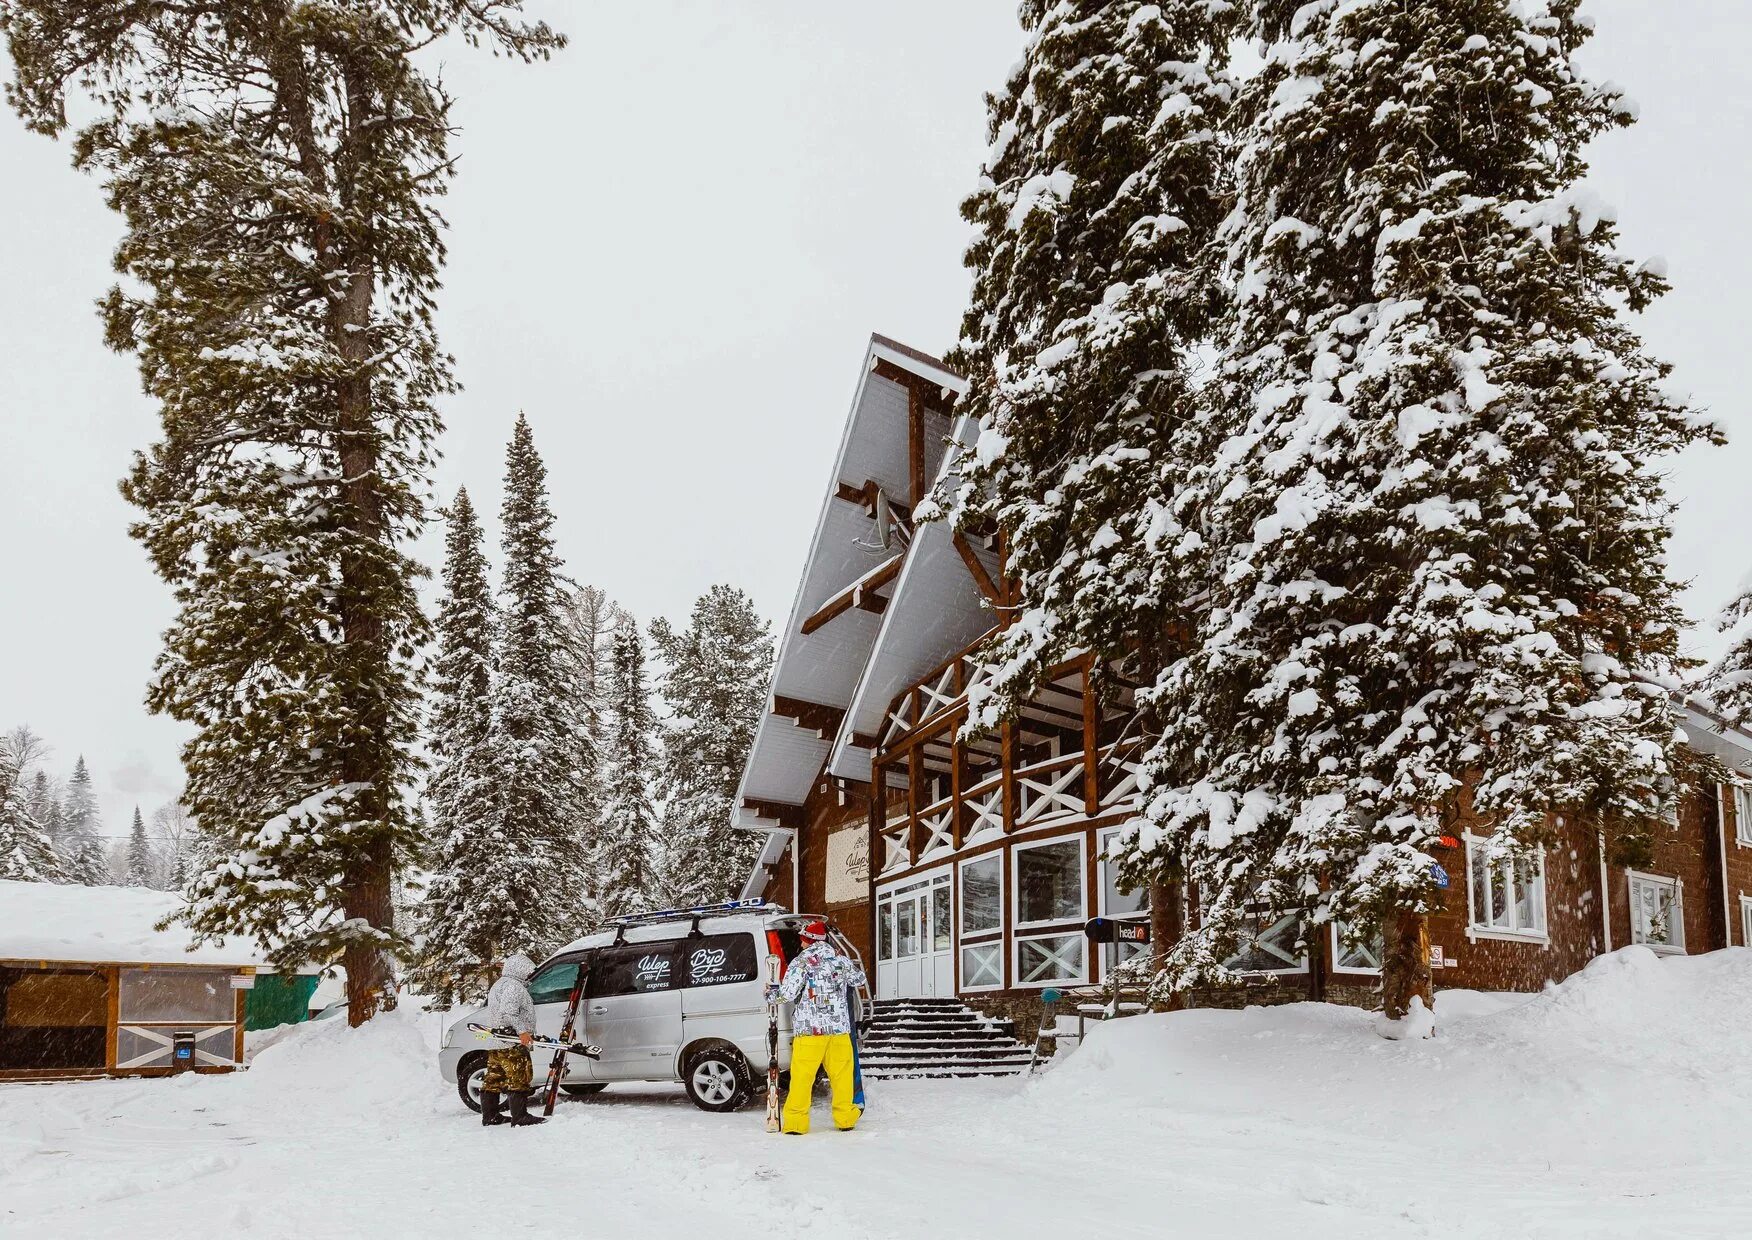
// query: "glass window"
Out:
[1054,958]
[719,959]
[1507,892]
[982,895]
[199,996]
[1270,945]
[1049,882]
[1656,913]
[940,916]
[907,937]
[553,984]
[633,969]
[1356,957]
[1114,901]
[1743,813]
[885,931]
[982,965]
[1746,921]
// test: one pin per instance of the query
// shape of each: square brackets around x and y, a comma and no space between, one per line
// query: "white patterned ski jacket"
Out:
[508,1002]
[815,987]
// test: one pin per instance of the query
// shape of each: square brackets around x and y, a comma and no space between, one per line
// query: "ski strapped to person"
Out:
[857,1053]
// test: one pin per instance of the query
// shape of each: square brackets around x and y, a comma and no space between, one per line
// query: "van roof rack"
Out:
[698,911]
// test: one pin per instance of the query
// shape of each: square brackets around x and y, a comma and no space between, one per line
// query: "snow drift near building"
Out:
[1638,1064]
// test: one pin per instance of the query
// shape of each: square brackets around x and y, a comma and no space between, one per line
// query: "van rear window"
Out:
[718,960]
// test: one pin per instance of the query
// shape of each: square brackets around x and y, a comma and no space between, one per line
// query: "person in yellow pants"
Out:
[810,1053]
[821,1029]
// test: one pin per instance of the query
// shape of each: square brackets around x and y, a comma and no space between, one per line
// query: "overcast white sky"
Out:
[669,247]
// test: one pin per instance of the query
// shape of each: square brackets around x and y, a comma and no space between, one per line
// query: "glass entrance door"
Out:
[915,956]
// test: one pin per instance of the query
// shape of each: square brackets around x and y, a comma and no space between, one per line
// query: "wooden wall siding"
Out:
[1737,858]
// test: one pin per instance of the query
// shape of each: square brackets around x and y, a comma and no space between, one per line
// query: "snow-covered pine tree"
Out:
[277,168]
[478,896]
[542,747]
[139,872]
[591,618]
[44,807]
[1728,682]
[714,681]
[181,849]
[1094,216]
[26,852]
[82,851]
[627,853]
[1439,521]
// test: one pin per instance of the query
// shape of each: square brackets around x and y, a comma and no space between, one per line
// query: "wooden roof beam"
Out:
[814,717]
[860,594]
[788,816]
[981,578]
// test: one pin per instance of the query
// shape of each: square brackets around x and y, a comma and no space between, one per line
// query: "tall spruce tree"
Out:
[1094,215]
[82,851]
[44,807]
[627,855]
[139,871]
[542,756]
[714,682]
[277,167]
[26,852]
[479,893]
[1436,515]
[1729,680]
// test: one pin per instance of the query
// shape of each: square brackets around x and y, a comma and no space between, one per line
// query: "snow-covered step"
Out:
[923,1038]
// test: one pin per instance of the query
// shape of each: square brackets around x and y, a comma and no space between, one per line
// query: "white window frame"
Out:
[1003,894]
[1631,879]
[1746,921]
[1338,949]
[1741,790]
[1474,930]
[1081,839]
[1289,970]
[1109,952]
[1081,979]
[961,949]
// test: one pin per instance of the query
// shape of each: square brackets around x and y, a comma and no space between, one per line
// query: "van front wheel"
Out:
[716,1079]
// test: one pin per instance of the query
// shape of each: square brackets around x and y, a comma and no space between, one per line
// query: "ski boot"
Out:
[520,1116]
[491,1102]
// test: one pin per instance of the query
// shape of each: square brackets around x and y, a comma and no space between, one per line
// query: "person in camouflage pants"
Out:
[509,1072]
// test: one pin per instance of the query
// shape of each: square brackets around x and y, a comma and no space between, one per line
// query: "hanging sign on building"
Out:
[1106,930]
[848,865]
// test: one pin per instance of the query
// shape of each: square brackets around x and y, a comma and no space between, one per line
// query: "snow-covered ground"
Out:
[1616,1105]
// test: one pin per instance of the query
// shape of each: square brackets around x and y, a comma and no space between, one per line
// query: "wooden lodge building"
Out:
[968,870]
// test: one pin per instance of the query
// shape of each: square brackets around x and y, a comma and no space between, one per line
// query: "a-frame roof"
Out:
[847,575]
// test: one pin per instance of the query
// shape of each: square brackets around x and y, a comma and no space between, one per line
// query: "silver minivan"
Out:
[671,996]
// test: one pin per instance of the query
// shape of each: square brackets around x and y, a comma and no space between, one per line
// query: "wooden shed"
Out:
[89,987]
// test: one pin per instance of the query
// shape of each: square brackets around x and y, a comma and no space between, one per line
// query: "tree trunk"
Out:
[1405,964]
[1167,916]
[367,897]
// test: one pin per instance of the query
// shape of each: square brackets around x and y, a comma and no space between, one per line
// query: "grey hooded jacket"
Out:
[508,1002]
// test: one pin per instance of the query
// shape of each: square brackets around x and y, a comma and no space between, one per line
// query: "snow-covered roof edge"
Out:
[880,348]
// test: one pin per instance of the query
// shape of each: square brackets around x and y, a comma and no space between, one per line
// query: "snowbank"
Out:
[1634,1064]
[45,921]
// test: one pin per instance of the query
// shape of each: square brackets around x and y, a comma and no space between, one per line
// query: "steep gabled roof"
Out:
[818,671]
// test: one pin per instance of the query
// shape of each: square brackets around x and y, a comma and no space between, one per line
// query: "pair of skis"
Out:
[509,1035]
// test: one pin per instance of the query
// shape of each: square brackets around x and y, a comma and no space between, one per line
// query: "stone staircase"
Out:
[938,1038]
